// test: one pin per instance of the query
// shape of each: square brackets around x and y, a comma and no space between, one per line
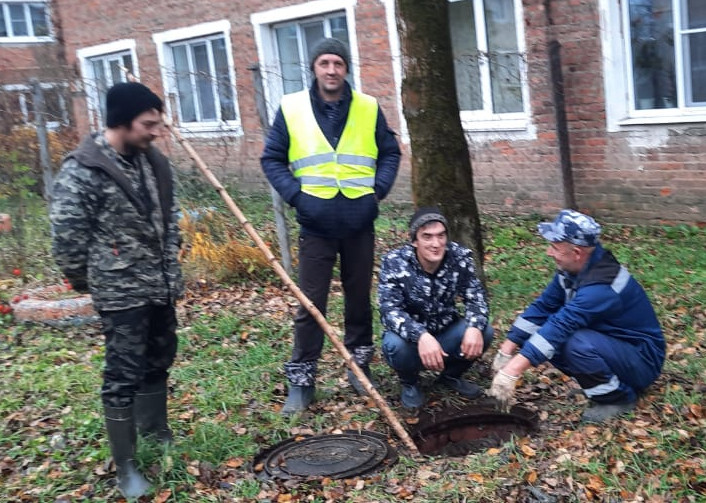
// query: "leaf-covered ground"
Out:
[228,387]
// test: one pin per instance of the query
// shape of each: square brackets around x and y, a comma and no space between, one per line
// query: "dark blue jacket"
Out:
[603,297]
[339,217]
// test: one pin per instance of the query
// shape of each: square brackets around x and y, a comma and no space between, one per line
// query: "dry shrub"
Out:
[21,147]
[215,250]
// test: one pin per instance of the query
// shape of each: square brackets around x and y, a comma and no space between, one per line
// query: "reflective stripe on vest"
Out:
[321,170]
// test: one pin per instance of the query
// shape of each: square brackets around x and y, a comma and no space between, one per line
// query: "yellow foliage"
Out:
[212,248]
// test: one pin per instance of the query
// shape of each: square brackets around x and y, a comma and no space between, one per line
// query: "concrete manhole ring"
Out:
[54,305]
[476,427]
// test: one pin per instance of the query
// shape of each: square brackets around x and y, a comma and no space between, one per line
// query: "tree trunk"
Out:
[441,165]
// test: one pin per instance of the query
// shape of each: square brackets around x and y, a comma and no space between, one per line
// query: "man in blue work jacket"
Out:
[593,322]
[331,155]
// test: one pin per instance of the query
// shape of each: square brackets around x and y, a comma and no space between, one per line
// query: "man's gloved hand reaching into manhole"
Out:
[503,389]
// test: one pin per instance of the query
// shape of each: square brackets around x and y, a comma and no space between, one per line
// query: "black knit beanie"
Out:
[127,100]
[422,217]
[330,46]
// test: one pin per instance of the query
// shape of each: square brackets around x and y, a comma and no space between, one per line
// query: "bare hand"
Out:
[431,352]
[472,343]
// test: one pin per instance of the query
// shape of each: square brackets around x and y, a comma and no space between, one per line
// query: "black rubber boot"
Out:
[151,411]
[122,435]
[298,399]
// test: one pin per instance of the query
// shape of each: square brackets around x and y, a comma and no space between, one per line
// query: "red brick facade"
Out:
[641,173]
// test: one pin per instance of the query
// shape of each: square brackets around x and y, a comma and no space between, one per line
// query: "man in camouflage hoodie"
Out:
[116,235]
[417,291]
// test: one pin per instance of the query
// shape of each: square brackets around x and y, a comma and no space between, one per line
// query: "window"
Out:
[666,54]
[103,73]
[17,105]
[197,68]
[103,66]
[488,52]
[296,39]
[24,22]
[285,37]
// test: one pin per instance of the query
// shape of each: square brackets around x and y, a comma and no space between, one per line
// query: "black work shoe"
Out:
[463,387]
[411,396]
[355,382]
[122,436]
[298,399]
[601,412]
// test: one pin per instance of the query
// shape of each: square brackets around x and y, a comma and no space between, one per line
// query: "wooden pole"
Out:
[305,301]
[391,417]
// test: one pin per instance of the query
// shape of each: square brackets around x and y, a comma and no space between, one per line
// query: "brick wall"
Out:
[92,23]
[644,174]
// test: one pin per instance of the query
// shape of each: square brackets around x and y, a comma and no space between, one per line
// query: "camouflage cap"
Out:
[571,226]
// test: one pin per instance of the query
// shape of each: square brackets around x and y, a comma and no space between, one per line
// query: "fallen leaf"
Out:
[163,496]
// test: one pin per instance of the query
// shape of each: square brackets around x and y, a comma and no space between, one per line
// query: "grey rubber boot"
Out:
[355,382]
[601,412]
[298,399]
[122,436]
[151,411]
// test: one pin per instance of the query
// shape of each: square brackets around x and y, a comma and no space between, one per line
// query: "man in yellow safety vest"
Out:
[331,155]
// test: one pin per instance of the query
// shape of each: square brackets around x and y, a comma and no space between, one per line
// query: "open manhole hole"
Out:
[346,455]
[457,432]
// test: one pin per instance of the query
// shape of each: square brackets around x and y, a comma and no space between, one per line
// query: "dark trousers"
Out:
[608,369]
[317,257]
[140,346]
[403,356]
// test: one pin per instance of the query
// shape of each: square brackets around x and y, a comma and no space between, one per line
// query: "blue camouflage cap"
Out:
[573,227]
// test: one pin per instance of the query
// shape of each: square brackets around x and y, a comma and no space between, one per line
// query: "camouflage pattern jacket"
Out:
[413,301]
[111,236]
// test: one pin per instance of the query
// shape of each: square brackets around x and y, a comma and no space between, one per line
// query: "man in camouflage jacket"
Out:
[417,291]
[116,235]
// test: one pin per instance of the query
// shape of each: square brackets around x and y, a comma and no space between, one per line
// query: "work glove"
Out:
[503,389]
[501,360]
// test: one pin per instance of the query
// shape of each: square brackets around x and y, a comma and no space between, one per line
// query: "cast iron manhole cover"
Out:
[334,456]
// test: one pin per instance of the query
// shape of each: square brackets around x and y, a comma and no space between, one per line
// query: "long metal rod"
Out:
[391,417]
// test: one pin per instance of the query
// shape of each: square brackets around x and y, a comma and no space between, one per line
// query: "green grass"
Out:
[228,386]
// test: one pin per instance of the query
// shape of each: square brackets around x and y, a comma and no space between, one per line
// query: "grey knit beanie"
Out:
[422,217]
[330,46]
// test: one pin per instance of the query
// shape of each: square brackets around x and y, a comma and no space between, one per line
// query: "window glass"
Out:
[39,20]
[3,26]
[17,18]
[503,56]
[183,81]
[652,45]
[465,55]
[290,66]
[225,89]
[204,83]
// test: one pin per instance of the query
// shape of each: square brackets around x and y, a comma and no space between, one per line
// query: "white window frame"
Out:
[617,77]
[166,64]
[22,88]
[85,56]
[264,23]
[486,119]
[26,39]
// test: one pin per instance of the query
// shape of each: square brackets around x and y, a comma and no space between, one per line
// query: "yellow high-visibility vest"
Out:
[322,170]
